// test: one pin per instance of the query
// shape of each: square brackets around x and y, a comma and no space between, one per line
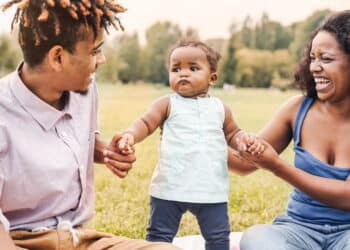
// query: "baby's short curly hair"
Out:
[213,56]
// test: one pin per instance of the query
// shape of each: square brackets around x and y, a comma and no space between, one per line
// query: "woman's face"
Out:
[330,68]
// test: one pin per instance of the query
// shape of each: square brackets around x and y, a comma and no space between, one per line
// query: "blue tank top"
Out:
[300,205]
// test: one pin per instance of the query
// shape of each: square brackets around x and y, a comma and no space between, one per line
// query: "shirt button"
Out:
[64,134]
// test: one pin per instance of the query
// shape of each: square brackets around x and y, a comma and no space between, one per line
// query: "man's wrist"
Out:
[100,147]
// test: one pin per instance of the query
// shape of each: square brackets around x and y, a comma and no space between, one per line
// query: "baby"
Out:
[192,173]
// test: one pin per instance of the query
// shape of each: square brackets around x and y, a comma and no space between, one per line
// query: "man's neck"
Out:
[41,83]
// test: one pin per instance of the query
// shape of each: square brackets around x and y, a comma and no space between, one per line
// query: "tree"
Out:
[255,68]
[228,67]
[9,54]
[247,33]
[302,32]
[128,53]
[160,37]
[109,71]
[265,33]
[283,36]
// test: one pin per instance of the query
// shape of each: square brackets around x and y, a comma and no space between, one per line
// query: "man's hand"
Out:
[115,160]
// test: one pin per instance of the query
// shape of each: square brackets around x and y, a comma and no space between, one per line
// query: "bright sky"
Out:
[211,18]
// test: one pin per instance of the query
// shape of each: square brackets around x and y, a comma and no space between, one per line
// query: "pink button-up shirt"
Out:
[46,157]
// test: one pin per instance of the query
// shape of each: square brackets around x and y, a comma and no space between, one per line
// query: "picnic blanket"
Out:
[196,242]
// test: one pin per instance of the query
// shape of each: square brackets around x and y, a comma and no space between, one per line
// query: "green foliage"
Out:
[283,67]
[247,33]
[108,72]
[9,54]
[128,54]
[227,72]
[160,37]
[302,32]
[265,35]
[255,68]
[264,68]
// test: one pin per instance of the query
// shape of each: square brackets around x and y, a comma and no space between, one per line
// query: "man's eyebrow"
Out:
[98,46]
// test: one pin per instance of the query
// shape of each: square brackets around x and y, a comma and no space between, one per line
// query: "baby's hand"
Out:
[125,144]
[249,143]
[256,147]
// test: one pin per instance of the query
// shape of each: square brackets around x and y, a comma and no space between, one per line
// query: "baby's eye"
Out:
[177,69]
[194,68]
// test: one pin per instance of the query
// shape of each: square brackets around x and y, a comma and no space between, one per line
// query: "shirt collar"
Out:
[46,115]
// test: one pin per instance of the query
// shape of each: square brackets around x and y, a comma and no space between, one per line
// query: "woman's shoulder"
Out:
[293,103]
[289,109]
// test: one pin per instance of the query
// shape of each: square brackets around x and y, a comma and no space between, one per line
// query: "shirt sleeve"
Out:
[96,108]
[3,151]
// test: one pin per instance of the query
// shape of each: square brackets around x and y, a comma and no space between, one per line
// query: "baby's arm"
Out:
[238,139]
[145,125]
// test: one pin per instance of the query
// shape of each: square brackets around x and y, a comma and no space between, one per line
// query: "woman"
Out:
[318,211]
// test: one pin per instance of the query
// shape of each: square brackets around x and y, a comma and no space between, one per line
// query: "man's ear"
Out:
[55,57]
[213,78]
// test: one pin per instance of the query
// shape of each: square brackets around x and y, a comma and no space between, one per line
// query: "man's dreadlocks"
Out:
[45,23]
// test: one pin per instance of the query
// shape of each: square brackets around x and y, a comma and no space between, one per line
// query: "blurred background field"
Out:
[122,206]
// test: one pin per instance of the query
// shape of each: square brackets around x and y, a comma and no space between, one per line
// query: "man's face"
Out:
[80,66]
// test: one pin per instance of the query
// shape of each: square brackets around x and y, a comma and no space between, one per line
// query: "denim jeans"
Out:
[287,233]
[212,219]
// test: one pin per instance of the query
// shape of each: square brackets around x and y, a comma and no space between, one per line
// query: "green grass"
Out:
[122,206]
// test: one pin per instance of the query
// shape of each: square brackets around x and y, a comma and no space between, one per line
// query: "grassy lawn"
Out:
[122,206]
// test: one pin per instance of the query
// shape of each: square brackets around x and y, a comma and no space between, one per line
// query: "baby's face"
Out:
[189,72]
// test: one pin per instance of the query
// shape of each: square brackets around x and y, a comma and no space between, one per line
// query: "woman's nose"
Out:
[315,65]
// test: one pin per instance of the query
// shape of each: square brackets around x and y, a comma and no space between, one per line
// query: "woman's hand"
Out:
[266,158]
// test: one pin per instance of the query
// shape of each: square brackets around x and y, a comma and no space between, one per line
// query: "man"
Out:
[48,129]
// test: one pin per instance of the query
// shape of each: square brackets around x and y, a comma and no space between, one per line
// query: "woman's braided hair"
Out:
[45,23]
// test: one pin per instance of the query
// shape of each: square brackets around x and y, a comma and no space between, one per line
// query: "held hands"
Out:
[118,162]
[126,143]
[247,143]
[257,150]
